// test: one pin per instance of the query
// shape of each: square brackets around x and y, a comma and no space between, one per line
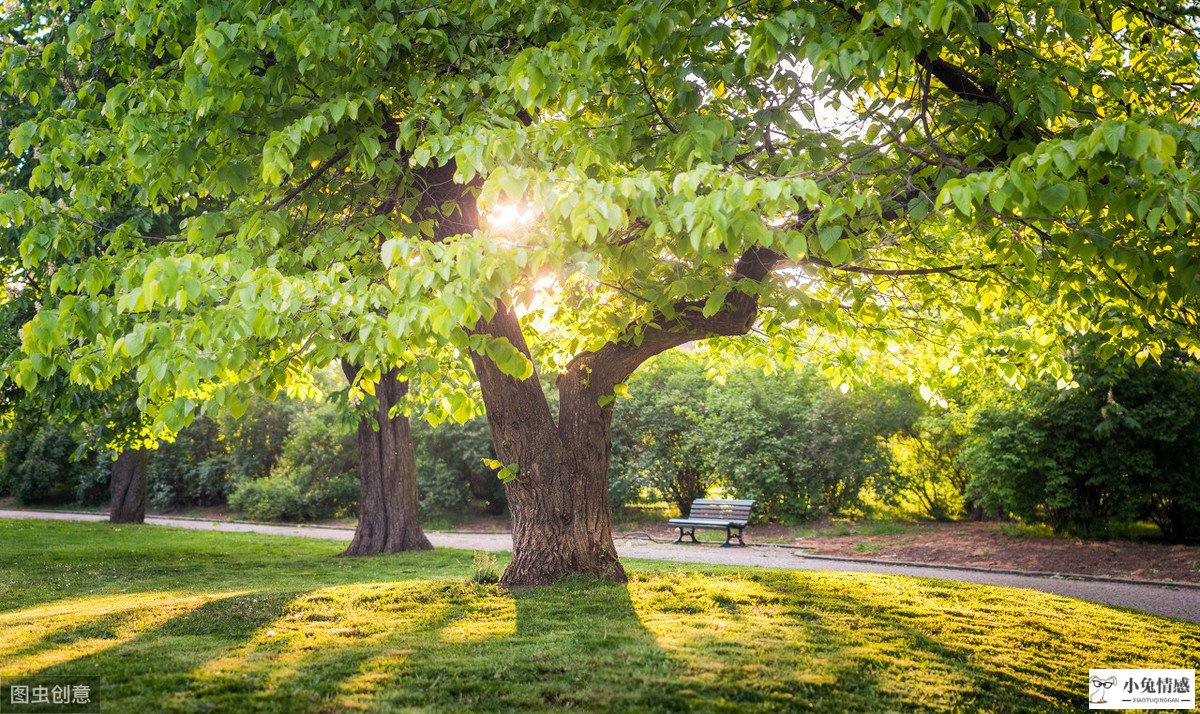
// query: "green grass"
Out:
[868,548]
[1137,532]
[174,620]
[855,528]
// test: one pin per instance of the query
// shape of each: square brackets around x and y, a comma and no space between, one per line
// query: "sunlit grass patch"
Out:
[216,622]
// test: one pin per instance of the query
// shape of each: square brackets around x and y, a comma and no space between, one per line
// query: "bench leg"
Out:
[686,532]
[729,536]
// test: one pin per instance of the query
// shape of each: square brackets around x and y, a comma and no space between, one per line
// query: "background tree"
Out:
[1116,449]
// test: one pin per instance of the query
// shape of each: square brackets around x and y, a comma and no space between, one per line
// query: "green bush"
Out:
[928,478]
[788,440]
[43,465]
[657,446]
[314,478]
[192,470]
[1088,461]
[799,447]
[288,495]
[451,476]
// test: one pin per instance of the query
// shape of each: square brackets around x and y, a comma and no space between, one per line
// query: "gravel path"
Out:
[1182,603]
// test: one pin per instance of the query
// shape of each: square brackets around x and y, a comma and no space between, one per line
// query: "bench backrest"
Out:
[720,509]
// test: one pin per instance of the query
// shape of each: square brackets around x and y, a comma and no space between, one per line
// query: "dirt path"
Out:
[1182,603]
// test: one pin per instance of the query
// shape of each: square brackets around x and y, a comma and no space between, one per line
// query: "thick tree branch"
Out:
[895,272]
[599,371]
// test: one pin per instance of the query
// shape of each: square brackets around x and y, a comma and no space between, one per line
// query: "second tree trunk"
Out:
[129,487]
[388,517]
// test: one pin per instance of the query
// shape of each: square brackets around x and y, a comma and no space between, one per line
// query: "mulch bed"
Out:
[986,545]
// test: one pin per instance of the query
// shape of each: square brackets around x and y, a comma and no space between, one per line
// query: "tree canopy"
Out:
[996,173]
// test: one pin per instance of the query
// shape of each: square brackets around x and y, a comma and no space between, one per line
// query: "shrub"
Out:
[799,447]
[927,478]
[288,495]
[42,465]
[314,478]
[192,470]
[1118,448]
[787,440]
[657,447]
[451,475]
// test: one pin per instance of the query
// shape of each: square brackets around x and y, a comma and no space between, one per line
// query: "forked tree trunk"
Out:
[388,517]
[129,487]
[561,517]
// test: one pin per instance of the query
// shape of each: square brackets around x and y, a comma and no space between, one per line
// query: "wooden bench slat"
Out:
[747,502]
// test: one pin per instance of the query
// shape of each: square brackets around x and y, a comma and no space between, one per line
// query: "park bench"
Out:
[717,514]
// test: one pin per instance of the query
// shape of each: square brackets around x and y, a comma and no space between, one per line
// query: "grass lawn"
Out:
[189,621]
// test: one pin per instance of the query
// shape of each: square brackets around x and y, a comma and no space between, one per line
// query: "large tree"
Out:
[796,180]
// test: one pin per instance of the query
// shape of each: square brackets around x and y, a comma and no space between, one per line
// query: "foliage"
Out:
[41,465]
[315,477]
[789,440]
[1118,448]
[209,621]
[658,442]
[451,475]
[927,477]
[799,447]
[255,441]
[837,177]
[191,470]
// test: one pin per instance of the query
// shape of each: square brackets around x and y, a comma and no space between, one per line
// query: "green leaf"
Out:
[1054,196]
[22,137]
[714,302]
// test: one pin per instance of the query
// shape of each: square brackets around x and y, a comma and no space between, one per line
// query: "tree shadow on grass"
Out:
[149,671]
[451,646]
[580,645]
[442,645]
[45,562]
[670,641]
[911,643]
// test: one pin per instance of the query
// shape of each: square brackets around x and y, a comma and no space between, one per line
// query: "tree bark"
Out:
[561,517]
[388,516]
[129,487]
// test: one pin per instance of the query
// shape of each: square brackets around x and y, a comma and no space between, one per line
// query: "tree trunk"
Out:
[129,487]
[388,517]
[561,517]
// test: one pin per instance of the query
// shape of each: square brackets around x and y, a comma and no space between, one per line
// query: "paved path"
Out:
[1182,603]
